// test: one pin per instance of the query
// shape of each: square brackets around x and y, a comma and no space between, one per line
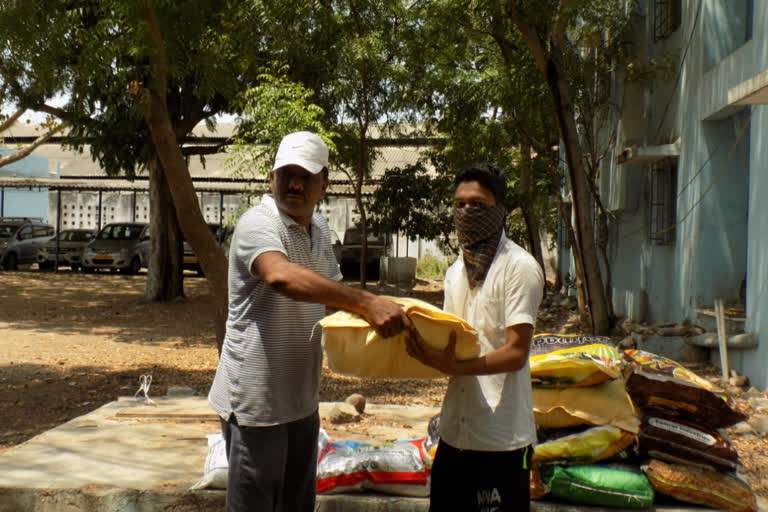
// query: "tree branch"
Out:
[8,122]
[560,23]
[18,155]
[530,36]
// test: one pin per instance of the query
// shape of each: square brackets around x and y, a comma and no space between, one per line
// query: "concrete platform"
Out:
[127,456]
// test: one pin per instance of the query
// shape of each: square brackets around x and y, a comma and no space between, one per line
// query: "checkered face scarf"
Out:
[479,230]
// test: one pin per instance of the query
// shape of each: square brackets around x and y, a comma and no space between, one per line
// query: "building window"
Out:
[667,15]
[663,207]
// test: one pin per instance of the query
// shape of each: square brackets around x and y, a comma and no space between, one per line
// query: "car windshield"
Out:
[75,236]
[120,232]
[352,236]
[6,230]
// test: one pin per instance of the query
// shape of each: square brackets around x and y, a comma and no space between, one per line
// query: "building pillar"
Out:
[58,228]
[221,207]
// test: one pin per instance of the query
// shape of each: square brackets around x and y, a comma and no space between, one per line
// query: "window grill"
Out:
[667,15]
[663,204]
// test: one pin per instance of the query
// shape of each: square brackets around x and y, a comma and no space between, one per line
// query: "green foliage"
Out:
[95,54]
[408,200]
[432,267]
[275,107]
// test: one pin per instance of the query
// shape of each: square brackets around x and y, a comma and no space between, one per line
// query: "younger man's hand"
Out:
[443,360]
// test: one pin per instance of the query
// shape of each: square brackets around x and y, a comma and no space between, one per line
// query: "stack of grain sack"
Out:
[593,450]
[687,454]
[616,428]
[587,424]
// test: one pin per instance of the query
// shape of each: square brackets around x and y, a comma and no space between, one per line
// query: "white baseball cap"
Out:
[304,149]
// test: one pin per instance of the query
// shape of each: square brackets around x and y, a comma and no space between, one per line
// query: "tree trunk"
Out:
[165,280]
[546,58]
[361,166]
[581,300]
[526,204]
[168,150]
[582,205]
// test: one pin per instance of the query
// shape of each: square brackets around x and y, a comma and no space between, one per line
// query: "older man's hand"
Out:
[386,317]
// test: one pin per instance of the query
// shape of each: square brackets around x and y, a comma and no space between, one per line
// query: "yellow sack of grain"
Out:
[352,347]
[604,404]
[579,366]
[586,447]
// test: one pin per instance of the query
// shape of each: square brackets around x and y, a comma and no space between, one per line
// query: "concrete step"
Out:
[128,456]
[742,341]
[706,319]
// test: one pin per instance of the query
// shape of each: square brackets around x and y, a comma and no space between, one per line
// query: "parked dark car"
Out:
[71,244]
[351,250]
[115,248]
[20,238]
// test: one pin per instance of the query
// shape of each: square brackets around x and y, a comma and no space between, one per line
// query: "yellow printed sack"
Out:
[586,447]
[354,348]
[604,404]
[579,366]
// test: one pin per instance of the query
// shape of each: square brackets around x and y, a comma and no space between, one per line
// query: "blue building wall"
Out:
[24,202]
[722,219]
[755,362]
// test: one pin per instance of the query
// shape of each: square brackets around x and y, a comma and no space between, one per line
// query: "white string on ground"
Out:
[144,382]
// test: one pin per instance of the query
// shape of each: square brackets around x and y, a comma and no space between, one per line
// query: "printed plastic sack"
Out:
[599,485]
[545,343]
[679,441]
[433,436]
[580,366]
[655,363]
[584,447]
[703,487]
[604,404]
[216,467]
[401,468]
[661,386]
[353,348]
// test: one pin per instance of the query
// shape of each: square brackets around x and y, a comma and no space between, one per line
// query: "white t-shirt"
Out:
[493,412]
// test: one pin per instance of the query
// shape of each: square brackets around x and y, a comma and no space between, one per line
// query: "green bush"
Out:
[431,267]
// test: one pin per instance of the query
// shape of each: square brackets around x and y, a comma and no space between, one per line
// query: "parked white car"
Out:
[71,243]
[115,248]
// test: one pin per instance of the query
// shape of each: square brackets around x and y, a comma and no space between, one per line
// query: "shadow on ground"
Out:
[112,305]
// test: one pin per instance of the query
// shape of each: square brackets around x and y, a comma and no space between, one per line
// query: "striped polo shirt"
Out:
[269,369]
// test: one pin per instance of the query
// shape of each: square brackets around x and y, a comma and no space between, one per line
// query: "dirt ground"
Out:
[71,342]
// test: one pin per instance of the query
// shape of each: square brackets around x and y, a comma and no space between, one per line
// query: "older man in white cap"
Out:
[282,274]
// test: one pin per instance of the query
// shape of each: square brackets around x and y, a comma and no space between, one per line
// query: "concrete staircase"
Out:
[737,338]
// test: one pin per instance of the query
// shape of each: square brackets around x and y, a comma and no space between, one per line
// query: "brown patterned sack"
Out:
[703,487]
[679,441]
[660,386]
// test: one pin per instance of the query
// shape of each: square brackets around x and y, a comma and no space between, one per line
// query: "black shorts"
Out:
[475,481]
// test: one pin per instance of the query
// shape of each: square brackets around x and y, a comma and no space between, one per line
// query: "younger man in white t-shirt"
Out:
[487,426]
